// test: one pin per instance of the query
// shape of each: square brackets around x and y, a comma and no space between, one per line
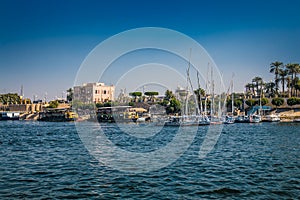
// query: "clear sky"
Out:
[43,43]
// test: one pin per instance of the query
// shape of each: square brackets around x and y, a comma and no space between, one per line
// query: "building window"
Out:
[104,91]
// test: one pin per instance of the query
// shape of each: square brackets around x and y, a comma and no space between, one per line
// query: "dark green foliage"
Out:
[69,94]
[173,107]
[169,95]
[135,94]
[171,104]
[251,102]
[84,106]
[151,93]
[10,98]
[264,101]
[105,104]
[237,103]
[200,91]
[277,101]
[53,104]
[293,101]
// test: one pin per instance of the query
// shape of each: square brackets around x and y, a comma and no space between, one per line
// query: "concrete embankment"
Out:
[289,115]
[29,116]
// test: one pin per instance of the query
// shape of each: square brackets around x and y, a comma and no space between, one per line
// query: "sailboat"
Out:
[214,119]
[230,119]
[200,119]
[256,118]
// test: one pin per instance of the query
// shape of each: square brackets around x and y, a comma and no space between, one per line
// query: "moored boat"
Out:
[255,118]
[229,120]
[297,120]
[242,119]
[271,118]
[9,116]
[57,115]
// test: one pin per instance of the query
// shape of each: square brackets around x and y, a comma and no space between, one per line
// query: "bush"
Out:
[293,101]
[53,104]
[251,102]
[264,101]
[277,101]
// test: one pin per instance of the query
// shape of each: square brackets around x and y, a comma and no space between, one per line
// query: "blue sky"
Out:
[43,43]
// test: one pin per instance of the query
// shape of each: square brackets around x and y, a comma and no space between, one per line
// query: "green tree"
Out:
[283,75]
[174,106]
[297,86]
[275,67]
[270,89]
[169,95]
[151,95]
[277,101]
[293,69]
[171,104]
[292,101]
[248,87]
[264,101]
[258,82]
[199,94]
[237,103]
[135,95]
[70,94]
[53,104]
[10,98]
[251,102]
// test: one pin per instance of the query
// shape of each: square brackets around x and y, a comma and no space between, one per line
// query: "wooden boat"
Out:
[57,115]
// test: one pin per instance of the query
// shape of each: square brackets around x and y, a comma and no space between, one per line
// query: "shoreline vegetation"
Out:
[281,96]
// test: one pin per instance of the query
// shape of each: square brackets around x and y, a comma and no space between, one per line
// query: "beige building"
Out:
[94,93]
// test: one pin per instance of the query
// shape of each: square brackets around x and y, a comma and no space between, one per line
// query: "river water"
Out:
[42,160]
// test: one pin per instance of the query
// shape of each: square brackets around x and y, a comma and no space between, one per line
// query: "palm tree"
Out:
[252,86]
[297,85]
[288,85]
[248,87]
[283,75]
[293,70]
[274,68]
[270,88]
[70,94]
[258,82]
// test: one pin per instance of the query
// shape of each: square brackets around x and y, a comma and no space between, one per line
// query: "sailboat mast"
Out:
[189,80]
[199,93]
[213,94]
[232,98]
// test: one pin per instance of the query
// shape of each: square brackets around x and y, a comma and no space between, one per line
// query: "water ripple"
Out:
[40,160]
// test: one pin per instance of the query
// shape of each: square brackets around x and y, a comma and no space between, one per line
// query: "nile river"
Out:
[41,160]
